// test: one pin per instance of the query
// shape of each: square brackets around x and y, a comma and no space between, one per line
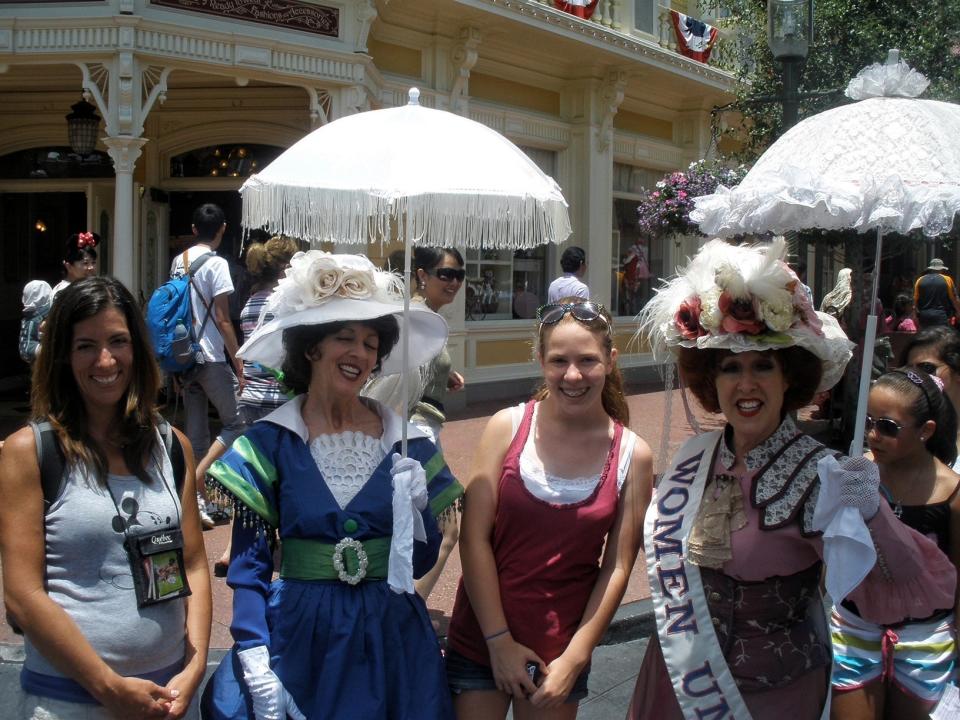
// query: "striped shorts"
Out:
[919,657]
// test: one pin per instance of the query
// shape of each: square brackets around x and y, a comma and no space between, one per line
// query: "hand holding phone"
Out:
[536,676]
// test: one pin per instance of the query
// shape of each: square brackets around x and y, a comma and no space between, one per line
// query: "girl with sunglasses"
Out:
[438,274]
[550,530]
[936,350]
[900,670]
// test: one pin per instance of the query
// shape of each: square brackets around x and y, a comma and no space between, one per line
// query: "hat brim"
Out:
[427,331]
[833,348]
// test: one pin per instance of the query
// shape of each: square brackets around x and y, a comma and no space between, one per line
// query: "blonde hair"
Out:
[267,261]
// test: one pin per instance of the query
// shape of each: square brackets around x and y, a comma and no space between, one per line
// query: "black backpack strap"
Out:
[50,459]
[174,449]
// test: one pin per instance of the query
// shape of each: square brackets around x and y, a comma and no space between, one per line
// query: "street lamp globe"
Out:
[82,127]
[789,28]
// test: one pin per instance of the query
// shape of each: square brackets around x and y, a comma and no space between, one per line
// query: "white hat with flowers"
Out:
[742,298]
[321,287]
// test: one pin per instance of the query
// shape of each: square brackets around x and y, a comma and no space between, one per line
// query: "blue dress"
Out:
[341,650]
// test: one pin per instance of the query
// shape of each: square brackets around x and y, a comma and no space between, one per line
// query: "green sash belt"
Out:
[313,560]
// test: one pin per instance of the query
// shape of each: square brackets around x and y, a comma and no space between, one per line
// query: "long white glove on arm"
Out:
[270,700]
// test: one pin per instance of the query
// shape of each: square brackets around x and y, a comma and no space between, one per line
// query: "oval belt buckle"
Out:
[362,561]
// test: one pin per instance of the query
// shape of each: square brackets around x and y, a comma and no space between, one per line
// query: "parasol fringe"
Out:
[355,216]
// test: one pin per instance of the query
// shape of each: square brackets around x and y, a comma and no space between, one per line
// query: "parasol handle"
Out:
[869,339]
[405,340]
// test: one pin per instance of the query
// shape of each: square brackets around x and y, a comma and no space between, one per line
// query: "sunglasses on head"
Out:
[585,312]
[884,426]
[449,274]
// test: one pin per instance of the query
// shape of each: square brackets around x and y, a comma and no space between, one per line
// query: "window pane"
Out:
[639,262]
[508,284]
[223,160]
[643,15]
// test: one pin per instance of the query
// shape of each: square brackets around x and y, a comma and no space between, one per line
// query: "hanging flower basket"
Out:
[666,209]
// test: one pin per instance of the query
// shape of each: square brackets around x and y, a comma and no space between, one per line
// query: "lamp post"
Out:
[789,34]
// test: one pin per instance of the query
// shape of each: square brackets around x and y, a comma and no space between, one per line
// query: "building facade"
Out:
[194,95]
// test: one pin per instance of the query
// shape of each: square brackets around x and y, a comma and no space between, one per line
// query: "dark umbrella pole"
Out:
[869,340]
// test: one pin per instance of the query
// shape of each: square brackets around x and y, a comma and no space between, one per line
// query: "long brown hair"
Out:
[612,397]
[54,395]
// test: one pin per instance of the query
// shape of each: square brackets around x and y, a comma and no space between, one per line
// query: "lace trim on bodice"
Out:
[346,460]
[560,490]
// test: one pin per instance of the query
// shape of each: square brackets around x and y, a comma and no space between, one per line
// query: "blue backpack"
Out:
[170,320]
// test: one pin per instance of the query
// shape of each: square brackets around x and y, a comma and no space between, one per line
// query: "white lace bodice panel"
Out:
[554,488]
[346,460]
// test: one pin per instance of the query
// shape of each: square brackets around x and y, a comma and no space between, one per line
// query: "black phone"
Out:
[533,670]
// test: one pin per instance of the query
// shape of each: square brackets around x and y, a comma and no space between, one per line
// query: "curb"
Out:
[632,621]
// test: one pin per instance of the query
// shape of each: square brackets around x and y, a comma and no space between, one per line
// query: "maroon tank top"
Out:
[547,558]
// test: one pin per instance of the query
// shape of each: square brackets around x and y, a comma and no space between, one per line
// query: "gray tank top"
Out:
[88,574]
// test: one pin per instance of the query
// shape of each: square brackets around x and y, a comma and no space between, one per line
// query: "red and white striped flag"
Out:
[695,38]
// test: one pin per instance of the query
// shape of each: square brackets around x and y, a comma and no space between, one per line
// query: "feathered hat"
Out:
[321,288]
[742,298]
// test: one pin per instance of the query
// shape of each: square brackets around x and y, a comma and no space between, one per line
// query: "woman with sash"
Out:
[551,528]
[341,633]
[745,518]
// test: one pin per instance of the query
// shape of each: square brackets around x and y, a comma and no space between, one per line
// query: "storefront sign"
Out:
[289,14]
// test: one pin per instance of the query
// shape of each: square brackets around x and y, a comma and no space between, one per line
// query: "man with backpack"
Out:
[211,378]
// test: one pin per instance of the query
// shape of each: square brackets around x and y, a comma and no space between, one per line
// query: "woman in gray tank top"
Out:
[99,562]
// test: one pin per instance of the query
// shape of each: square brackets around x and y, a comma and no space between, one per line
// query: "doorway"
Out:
[35,228]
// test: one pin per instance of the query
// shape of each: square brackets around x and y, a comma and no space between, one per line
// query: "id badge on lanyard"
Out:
[156,560]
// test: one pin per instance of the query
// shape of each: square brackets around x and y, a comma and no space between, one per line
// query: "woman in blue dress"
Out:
[341,633]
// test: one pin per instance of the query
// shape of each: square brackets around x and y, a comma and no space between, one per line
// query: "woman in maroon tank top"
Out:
[534,592]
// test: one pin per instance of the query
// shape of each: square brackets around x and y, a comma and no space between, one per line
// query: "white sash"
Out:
[704,686]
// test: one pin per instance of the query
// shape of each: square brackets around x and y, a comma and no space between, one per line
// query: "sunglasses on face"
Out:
[928,367]
[884,426]
[449,274]
[585,312]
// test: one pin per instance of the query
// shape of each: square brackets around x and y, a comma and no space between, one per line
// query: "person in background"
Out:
[935,296]
[899,670]
[438,275]
[210,381]
[101,643]
[936,351]
[37,297]
[901,319]
[262,393]
[573,262]
[551,527]
[341,633]
[79,259]
[735,553]
[525,302]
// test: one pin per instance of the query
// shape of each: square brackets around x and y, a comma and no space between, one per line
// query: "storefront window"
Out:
[55,163]
[238,160]
[638,260]
[508,284]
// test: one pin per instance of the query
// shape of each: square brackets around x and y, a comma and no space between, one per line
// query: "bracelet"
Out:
[495,635]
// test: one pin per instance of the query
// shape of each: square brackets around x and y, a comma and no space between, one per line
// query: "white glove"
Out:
[270,700]
[409,499]
[859,485]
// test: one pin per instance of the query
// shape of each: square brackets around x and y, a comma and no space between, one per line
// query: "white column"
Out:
[124,151]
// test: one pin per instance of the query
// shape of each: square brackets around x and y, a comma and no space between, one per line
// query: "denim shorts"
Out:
[464,674]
